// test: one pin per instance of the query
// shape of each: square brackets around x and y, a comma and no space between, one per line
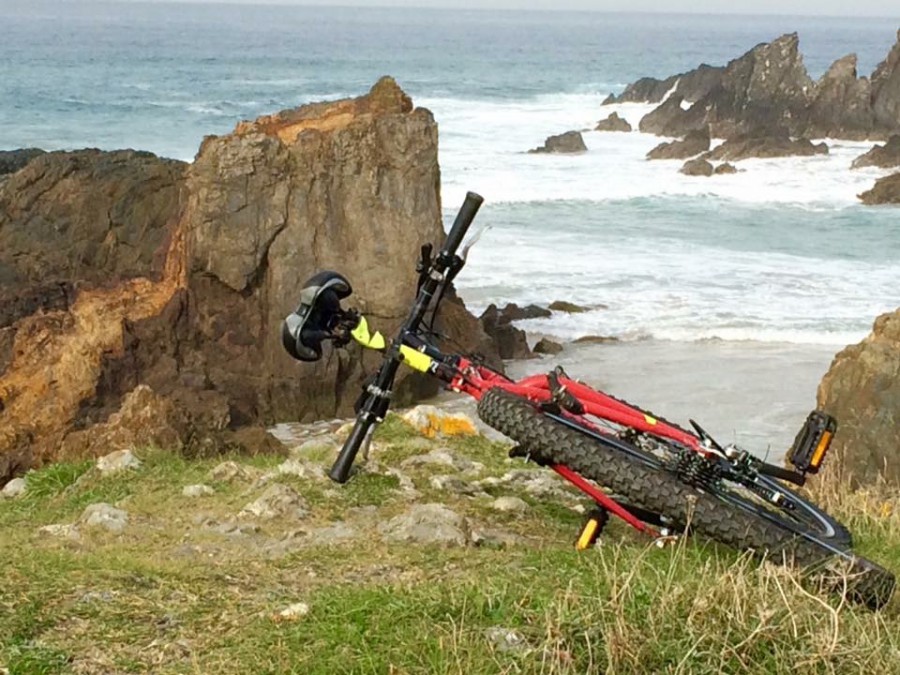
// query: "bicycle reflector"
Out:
[812,443]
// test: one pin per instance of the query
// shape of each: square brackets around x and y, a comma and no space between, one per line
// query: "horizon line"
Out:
[450,7]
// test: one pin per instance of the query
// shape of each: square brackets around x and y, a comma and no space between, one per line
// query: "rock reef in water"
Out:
[769,88]
[885,191]
[862,390]
[571,142]
[765,146]
[613,123]
[122,269]
[691,145]
[882,156]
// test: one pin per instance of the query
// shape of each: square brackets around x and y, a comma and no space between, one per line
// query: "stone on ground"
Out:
[431,421]
[229,472]
[509,505]
[120,460]
[106,516]
[13,488]
[197,491]
[428,524]
[278,501]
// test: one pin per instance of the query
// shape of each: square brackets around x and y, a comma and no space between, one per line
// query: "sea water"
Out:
[778,265]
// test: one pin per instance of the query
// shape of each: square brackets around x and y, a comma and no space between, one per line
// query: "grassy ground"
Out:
[170,596]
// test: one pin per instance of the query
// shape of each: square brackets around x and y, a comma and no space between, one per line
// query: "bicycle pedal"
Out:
[592,529]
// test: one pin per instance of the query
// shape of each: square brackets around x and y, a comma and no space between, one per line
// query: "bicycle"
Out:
[656,476]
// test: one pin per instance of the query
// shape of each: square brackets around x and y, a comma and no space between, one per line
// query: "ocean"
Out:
[773,263]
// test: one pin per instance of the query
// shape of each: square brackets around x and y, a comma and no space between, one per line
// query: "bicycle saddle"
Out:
[303,330]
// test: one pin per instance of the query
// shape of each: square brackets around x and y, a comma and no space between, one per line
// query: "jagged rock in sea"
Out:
[547,346]
[724,169]
[768,88]
[121,269]
[883,156]
[764,145]
[886,91]
[692,144]
[862,390]
[613,123]
[885,191]
[512,312]
[665,118]
[691,86]
[697,167]
[840,106]
[509,341]
[571,142]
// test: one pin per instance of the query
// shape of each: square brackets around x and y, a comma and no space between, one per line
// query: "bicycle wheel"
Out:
[726,518]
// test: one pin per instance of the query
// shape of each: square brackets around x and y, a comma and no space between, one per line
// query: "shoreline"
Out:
[754,394]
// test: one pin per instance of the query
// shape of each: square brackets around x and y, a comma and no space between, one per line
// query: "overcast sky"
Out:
[885,8]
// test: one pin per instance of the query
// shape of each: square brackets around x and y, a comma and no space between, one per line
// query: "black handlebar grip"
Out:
[461,225]
[340,470]
[784,474]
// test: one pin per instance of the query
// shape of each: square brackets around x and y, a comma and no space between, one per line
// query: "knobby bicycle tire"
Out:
[663,492]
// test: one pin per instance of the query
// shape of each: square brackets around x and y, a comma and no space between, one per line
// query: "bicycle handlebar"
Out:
[461,225]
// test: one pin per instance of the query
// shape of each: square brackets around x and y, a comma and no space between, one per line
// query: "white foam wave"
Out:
[484,144]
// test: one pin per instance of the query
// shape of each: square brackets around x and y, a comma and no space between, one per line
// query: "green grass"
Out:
[167,596]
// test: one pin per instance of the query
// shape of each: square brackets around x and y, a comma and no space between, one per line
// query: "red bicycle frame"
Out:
[475,380]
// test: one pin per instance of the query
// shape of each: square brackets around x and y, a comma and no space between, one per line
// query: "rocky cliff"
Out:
[768,88]
[862,390]
[130,270]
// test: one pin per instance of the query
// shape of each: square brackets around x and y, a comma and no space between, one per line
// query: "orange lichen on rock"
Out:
[431,422]
[58,355]
[385,97]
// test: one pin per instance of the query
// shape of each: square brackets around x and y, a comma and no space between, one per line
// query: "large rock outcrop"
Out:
[768,88]
[149,272]
[862,390]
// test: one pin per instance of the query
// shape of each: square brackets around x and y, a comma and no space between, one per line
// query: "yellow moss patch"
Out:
[431,422]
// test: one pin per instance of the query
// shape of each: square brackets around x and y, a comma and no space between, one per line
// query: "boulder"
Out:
[14,160]
[883,156]
[724,168]
[691,145]
[764,145]
[510,342]
[120,269]
[613,123]
[571,142]
[885,191]
[697,167]
[547,346]
[862,390]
